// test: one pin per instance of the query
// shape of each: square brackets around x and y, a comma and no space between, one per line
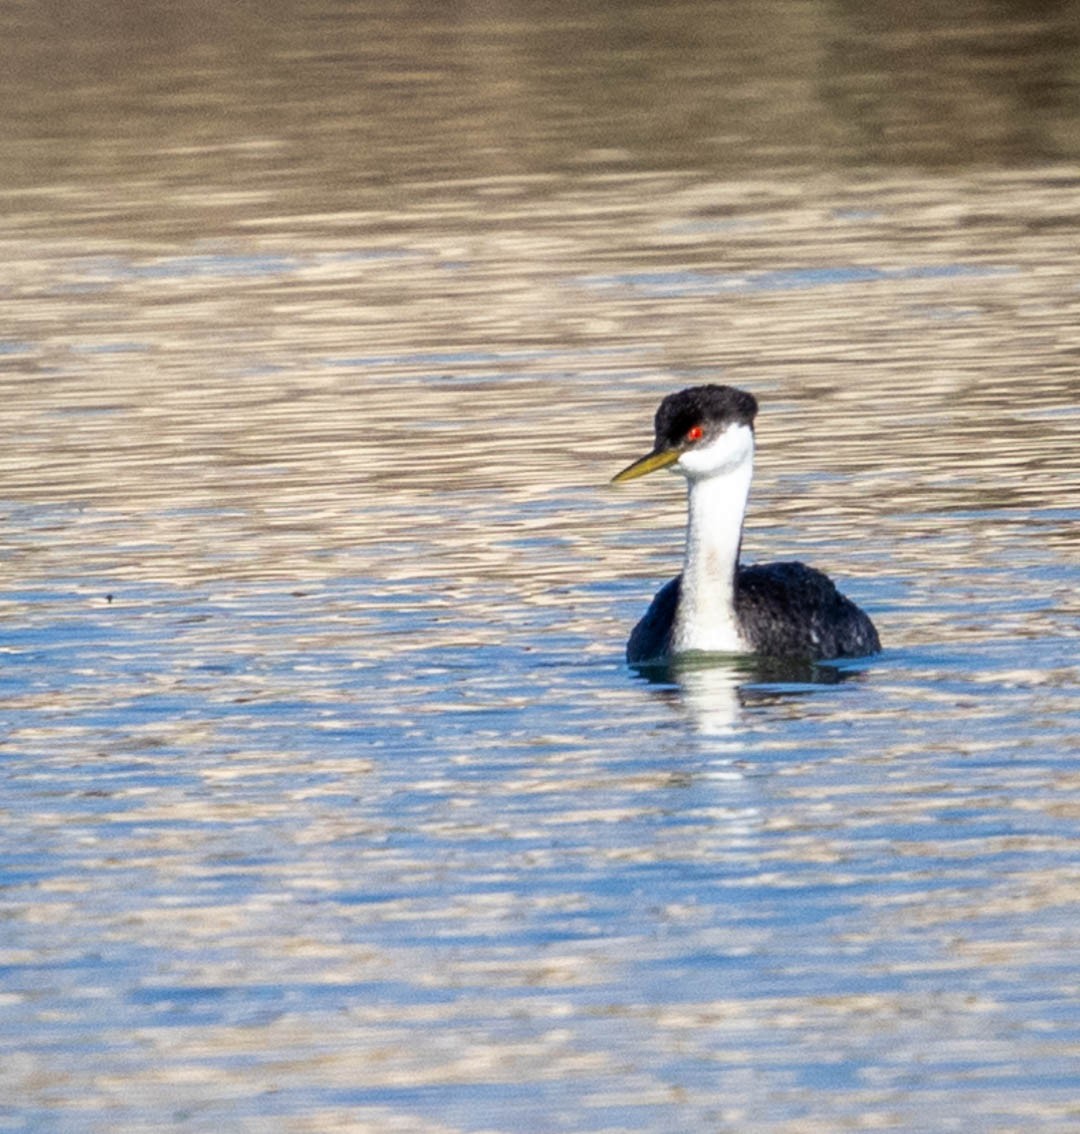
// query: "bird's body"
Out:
[781,610]
[717,605]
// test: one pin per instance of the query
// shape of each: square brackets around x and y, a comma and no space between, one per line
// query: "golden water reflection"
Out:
[455,412]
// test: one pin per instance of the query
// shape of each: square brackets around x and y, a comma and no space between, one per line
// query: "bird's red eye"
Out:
[695,433]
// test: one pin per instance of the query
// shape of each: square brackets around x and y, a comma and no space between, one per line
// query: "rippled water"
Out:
[328,802]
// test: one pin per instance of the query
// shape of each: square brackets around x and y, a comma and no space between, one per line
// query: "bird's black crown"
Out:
[713,407]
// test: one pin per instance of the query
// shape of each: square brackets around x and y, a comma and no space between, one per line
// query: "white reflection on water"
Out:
[711,696]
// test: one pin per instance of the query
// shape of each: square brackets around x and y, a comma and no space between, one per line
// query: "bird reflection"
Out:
[716,690]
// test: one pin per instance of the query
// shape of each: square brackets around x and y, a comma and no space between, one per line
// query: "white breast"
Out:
[706,621]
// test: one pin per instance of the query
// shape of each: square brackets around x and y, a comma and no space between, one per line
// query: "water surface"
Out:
[328,801]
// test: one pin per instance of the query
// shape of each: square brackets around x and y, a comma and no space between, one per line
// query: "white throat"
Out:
[718,482]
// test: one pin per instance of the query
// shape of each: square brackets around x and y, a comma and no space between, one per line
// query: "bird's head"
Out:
[701,432]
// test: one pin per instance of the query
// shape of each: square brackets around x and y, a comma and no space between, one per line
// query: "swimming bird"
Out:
[783,610]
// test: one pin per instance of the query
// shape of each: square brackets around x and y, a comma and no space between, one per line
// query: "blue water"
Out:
[297,851]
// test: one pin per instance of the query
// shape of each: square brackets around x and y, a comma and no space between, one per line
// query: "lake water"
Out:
[329,804]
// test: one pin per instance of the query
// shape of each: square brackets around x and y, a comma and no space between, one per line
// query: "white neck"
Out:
[716,499]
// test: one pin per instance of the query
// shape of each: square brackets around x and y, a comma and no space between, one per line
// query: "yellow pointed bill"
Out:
[647,464]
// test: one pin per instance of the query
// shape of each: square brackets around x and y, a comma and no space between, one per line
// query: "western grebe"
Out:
[706,434]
